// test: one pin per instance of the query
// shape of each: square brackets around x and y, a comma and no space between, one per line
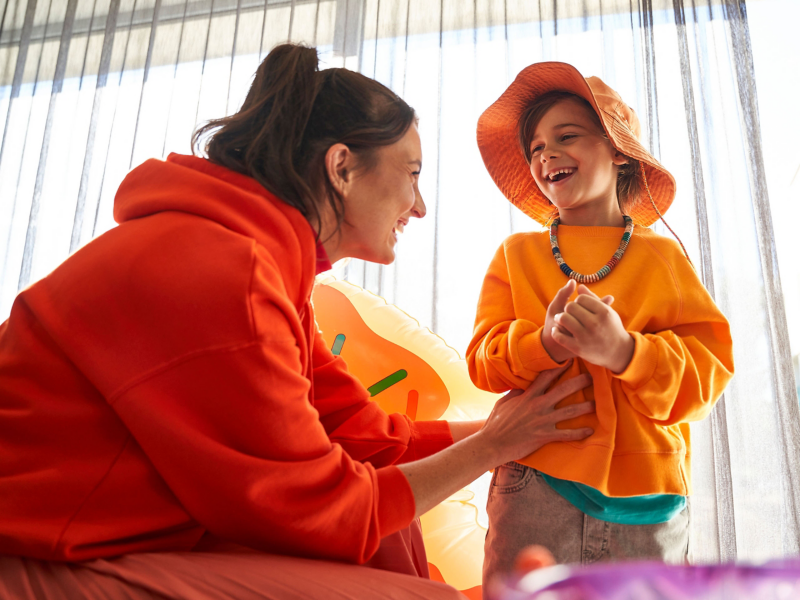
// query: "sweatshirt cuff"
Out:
[429,437]
[532,353]
[396,506]
[643,363]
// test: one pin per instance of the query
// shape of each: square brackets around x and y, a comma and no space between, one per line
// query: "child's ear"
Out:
[620,159]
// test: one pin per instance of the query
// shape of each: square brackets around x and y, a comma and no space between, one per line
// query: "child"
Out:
[565,149]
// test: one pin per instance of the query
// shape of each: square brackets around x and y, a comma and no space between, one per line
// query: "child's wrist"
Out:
[624,354]
[551,347]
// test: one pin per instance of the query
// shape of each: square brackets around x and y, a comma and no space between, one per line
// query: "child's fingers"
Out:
[566,342]
[566,291]
[592,304]
[582,314]
[585,291]
[562,330]
[561,297]
[570,323]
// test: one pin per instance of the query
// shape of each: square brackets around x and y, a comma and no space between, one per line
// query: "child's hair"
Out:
[628,184]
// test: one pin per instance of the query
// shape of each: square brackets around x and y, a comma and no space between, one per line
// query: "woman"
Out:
[165,389]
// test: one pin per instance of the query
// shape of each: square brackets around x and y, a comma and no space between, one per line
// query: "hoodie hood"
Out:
[196,186]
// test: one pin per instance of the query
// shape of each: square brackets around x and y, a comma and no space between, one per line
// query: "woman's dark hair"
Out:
[628,185]
[292,114]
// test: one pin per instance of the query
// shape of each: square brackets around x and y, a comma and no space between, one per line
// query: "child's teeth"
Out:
[559,172]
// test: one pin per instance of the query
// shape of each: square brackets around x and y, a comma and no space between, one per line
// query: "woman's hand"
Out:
[520,423]
[557,305]
[588,327]
[524,421]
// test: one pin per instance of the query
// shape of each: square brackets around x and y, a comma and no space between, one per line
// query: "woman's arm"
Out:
[463,429]
[363,429]
[521,423]
[344,407]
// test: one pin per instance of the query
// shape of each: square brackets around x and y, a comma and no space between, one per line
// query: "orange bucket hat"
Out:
[498,137]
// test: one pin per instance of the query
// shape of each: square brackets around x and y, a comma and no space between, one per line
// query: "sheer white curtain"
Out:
[91,88]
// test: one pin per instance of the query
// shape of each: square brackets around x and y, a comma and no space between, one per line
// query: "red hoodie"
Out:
[168,380]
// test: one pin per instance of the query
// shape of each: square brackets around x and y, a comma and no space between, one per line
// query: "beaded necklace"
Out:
[580,278]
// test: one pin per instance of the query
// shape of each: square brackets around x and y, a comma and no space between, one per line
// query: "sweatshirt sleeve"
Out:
[505,352]
[360,426]
[231,431]
[676,375]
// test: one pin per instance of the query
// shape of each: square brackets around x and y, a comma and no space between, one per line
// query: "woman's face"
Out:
[378,202]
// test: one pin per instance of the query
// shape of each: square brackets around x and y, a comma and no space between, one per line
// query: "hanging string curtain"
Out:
[91,88]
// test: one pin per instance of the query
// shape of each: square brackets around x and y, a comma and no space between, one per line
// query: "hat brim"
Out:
[499,145]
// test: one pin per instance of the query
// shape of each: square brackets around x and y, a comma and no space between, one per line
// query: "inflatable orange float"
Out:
[409,369]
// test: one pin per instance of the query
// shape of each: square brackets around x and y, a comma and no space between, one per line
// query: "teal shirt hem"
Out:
[635,510]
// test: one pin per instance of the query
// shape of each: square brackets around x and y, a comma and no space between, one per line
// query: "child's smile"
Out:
[560,175]
[575,165]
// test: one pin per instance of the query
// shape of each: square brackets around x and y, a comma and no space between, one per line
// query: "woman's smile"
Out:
[397,230]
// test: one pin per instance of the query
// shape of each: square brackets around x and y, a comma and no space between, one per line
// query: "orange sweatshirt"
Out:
[168,381]
[682,361]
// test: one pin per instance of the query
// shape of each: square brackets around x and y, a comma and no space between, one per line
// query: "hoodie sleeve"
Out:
[676,375]
[232,432]
[361,427]
[505,352]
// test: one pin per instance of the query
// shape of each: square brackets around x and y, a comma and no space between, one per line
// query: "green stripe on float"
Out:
[338,342]
[387,382]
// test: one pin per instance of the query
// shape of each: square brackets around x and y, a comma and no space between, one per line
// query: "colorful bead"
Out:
[605,270]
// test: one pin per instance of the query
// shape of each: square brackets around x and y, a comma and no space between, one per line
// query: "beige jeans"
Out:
[523,510]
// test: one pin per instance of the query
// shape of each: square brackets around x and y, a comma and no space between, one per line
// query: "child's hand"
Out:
[589,328]
[557,351]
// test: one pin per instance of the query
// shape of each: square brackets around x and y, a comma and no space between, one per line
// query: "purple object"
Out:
[778,580]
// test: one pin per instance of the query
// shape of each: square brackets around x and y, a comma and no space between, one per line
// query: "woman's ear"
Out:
[339,162]
[620,159]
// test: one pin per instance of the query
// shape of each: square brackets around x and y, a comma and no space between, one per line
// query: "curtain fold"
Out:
[788,413]
[720,456]
[91,88]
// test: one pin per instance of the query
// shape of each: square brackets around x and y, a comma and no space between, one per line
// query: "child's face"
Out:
[572,162]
